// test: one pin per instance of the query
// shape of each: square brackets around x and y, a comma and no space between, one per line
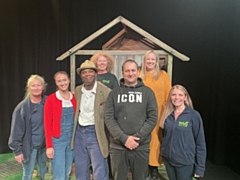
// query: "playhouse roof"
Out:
[130,35]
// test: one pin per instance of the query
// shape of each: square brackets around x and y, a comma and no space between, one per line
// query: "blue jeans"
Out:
[37,156]
[87,151]
[63,154]
[179,173]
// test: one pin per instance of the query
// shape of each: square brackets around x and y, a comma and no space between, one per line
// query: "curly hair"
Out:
[109,58]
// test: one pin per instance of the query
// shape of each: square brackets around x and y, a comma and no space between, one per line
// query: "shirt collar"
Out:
[93,90]
[58,95]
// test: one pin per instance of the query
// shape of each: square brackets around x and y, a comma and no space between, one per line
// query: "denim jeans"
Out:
[37,156]
[179,173]
[87,151]
[63,154]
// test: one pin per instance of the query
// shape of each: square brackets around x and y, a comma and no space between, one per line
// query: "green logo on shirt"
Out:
[106,81]
[183,124]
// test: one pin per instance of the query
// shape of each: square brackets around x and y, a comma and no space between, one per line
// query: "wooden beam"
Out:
[72,72]
[120,33]
[89,39]
[155,40]
[118,52]
[170,66]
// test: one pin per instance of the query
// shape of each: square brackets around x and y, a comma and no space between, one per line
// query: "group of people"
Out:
[134,126]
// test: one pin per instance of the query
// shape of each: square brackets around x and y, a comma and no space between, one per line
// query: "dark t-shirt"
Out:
[108,79]
[38,139]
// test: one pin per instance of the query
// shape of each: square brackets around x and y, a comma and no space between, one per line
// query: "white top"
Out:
[86,115]
[65,103]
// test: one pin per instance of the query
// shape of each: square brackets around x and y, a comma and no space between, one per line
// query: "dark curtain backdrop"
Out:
[34,32]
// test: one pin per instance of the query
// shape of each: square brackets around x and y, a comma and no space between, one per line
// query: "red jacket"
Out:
[52,117]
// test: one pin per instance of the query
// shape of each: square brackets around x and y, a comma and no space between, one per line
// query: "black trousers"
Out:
[123,161]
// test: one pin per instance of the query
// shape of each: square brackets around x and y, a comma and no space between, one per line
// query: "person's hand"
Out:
[50,153]
[131,142]
[19,158]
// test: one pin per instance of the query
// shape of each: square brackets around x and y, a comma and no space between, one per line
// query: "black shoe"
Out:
[154,173]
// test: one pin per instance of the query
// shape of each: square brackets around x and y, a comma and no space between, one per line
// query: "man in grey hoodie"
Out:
[130,116]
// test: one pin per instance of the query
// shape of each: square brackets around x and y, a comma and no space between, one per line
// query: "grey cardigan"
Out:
[20,140]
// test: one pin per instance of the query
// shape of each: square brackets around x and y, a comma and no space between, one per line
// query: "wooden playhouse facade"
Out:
[131,42]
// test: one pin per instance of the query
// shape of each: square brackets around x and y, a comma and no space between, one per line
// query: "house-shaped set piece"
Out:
[131,42]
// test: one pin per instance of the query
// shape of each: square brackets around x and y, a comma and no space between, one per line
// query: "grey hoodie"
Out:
[131,111]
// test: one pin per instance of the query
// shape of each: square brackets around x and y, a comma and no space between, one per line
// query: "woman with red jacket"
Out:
[59,111]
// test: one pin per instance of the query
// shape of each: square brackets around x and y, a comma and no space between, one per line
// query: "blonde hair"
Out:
[30,79]
[157,71]
[170,107]
[109,58]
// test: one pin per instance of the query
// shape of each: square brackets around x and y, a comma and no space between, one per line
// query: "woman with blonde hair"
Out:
[59,111]
[159,81]
[27,132]
[104,64]
[183,147]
